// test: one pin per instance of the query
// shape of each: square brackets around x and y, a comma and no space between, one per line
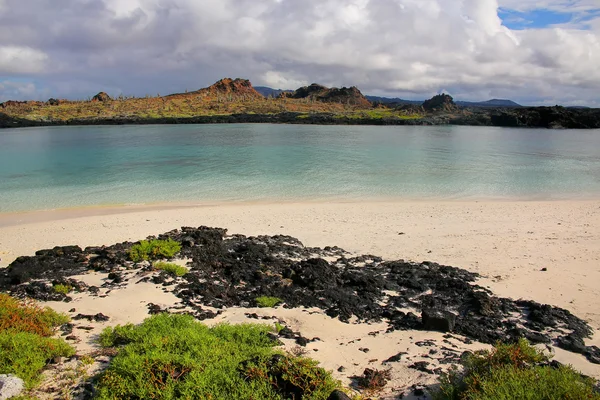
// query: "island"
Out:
[237,101]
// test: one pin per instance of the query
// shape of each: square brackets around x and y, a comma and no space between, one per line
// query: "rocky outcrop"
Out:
[233,270]
[547,117]
[227,89]
[440,103]
[10,386]
[316,92]
[56,102]
[13,103]
[102,97]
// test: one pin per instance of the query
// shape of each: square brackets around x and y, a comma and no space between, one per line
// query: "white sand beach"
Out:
[508,243]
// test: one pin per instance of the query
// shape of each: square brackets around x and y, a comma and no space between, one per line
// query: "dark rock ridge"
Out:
[441,102]
[233,270]
[317,92]
[227,87]
[101,97]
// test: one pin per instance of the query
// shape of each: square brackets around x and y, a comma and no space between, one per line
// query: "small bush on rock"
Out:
[514,371]
[154,249]
[62,289]
[267,302]
[171,268]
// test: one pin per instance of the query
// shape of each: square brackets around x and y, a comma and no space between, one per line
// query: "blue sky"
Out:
[545,18]
[533,19]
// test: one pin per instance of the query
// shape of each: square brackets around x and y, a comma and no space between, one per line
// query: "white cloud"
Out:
[21,60]
[21,89]
[382,46]
[567,6]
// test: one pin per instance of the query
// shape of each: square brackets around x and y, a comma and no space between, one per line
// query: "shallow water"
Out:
[56,167]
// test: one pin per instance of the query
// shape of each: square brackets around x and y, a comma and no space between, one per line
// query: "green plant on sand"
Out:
[152,249]
[513,371]
[25,345]
[267,302]
[174,356]
[63,289]
[171,268]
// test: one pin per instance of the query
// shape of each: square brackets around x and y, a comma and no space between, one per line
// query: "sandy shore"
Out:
[509,243]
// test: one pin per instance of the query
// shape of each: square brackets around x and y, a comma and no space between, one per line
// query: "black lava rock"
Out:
[438,320]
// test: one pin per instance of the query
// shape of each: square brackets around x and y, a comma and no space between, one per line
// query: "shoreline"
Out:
[526,117]
[11,218]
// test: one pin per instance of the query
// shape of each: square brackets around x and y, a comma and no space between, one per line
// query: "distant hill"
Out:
[489,103]
[395,100]
[267,91]
[324,94]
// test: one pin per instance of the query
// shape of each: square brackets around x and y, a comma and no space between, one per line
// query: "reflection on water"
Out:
[73,166]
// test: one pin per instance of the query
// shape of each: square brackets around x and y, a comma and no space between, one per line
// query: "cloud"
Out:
[566,6]
[21,60]
[413,48]
[17,89]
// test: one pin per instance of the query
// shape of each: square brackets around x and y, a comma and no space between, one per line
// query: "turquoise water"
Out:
[46,168]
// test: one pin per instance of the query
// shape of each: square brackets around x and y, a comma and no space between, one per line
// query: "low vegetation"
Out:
[25,345]
[154,249]
[514,371]
[26,316]
[267,302]
[171,268]
[174,356]
[62,289]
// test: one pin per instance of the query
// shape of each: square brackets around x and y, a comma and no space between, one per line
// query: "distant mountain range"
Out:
[488,103]
[267,91]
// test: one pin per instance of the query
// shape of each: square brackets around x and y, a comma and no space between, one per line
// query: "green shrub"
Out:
[513,371]
[26,354]
[153,249]
[171,268]
[174,356]
[62,289]
[267,302]
[25,347]
[26,316]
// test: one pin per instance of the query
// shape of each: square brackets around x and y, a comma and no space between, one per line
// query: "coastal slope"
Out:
[237,101]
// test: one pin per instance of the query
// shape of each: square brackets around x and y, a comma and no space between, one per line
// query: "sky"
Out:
[536,52]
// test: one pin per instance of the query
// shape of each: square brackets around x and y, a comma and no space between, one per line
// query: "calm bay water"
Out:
[45,168]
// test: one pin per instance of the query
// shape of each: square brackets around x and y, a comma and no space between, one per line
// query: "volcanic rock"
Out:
[438,320]
[102,97]
[10,386]
[338,395]
[441,102]
[316,92]
[233,270]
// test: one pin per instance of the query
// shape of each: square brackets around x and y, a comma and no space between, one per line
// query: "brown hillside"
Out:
[225,88]
[317,92]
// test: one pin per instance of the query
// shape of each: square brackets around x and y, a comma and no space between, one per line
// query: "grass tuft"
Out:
[171,268]
[267,302]
[154,249]
[174,356]
[513,371]
[62,289]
